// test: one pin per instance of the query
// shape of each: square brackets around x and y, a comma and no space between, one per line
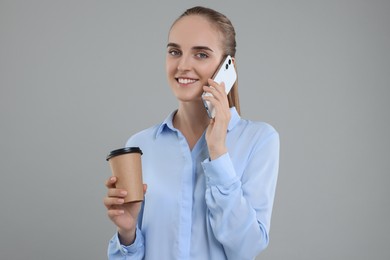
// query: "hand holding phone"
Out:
[225,73]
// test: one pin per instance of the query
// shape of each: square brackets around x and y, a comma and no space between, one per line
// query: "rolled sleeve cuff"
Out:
[220,171]
[130,249]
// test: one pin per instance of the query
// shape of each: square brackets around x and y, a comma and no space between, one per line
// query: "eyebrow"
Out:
[175,45]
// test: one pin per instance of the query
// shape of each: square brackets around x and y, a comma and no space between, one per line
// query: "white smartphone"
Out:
[225,73]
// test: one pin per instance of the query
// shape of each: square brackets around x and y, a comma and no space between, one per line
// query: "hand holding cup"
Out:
[125,191]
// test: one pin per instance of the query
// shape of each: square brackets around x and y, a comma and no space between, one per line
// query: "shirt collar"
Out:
[234,119]
[168,122]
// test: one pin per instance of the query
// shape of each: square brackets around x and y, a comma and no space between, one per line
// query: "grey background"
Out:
[77,78]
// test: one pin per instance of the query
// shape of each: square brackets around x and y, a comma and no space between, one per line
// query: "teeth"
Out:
[186,81]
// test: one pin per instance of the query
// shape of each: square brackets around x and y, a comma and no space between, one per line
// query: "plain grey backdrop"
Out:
[77,78]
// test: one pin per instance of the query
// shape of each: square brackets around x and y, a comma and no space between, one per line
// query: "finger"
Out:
[110,183]
[110,202]
[216,100]
[219,87]
[217,104]
[212,83]
[212,92]
[116,193]
[218,92]
[120,193]
[208,94]
[115,212]
[209,90]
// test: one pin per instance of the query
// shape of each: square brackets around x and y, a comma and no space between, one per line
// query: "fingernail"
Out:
[123,192]
[112,179]
[121,200]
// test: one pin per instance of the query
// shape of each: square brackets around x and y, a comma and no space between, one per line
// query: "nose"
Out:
[184,63]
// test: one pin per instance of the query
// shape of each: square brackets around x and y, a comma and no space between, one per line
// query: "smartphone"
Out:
[225,73]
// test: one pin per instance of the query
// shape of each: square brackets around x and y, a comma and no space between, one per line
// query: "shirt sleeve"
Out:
[134,251]
[240,207]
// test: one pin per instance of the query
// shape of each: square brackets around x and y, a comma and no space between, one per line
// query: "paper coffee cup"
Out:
[126,166]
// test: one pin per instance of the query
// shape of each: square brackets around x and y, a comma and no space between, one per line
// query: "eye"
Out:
[202,55]
[174,52]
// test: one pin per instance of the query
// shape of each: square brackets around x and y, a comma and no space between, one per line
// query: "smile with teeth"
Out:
[185,80]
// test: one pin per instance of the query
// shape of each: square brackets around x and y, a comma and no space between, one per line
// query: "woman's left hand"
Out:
[217,129]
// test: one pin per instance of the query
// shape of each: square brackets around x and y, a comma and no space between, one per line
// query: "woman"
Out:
[210,182]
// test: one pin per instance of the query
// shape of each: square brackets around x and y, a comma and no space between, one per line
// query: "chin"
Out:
[186,94]
[189,98]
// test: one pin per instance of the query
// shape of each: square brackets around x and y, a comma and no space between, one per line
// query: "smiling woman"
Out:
[227,40]
[192,57]
[210,182]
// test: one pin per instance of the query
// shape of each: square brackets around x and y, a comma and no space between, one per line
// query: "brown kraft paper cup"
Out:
[126,166]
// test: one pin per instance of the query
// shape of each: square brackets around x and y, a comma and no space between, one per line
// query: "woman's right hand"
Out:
[124,215]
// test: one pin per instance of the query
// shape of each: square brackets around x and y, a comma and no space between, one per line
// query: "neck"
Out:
[192,120]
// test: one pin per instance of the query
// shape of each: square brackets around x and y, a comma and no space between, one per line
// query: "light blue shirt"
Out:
[199,209]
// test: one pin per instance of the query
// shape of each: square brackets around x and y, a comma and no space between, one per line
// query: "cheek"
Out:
[169,67]
[207,71]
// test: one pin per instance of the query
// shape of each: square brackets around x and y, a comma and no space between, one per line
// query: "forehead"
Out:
[195,30]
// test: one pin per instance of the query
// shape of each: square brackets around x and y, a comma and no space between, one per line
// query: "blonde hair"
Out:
[223,24]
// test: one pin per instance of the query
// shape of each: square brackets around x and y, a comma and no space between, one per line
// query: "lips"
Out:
[186,80]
